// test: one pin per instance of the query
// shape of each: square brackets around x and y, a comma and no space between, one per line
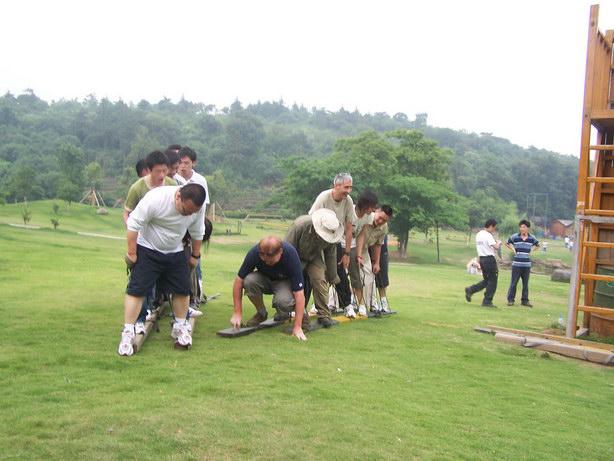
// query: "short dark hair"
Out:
[141,165]
[156,158]
[387,209]
[194,192]
[367,199]
[490,222]
[187,152]
[176,147]
[172,155]
[525,222]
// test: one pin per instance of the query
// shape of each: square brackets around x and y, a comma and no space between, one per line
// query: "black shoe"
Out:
[281,316]
[510,303]
[327,322]
[489,305]
[527,304]
[468,295]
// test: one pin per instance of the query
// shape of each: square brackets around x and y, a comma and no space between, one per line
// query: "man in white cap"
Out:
[315,238]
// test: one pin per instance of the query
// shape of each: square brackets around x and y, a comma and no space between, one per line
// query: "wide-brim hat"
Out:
[327,225]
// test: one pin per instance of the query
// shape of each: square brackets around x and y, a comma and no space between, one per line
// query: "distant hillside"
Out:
[243,146]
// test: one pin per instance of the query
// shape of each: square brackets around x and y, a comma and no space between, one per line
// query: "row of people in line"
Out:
[305,261]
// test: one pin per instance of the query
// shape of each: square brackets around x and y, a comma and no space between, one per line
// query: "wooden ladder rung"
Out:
[596,310]
[600,277]
[599,212]
[601,179]
[598,244]
[602,147]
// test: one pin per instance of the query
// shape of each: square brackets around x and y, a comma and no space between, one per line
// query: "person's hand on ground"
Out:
[235,321]
[297,332]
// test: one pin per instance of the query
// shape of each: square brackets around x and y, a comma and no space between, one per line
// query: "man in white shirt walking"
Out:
[155,252]
[486,247]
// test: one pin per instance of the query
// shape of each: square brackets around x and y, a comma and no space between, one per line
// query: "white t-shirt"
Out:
[198,179]
[483,243]
[357,225]
[343,209]
[160,226]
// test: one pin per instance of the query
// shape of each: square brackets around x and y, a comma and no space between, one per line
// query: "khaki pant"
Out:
[257,284]
[315,277]
[362,278]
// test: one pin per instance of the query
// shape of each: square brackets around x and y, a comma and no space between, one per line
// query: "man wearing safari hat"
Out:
[315,238]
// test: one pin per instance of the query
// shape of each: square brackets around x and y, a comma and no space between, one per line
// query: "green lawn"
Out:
[419,385]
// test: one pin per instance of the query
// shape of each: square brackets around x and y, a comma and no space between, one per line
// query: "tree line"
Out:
[252,154]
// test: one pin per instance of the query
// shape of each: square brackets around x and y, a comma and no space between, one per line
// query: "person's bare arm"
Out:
[237,299]
[299,312]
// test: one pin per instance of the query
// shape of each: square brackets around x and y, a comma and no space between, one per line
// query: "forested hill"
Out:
[46,147]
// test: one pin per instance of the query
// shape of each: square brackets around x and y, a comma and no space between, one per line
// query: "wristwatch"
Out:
[195,257]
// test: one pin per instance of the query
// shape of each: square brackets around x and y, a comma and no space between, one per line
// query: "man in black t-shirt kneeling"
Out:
[271,267]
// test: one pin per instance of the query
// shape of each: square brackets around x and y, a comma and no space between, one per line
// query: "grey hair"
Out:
[341,178]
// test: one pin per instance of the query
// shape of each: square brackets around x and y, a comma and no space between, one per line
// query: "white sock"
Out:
[179,321]
[384,300]
[129,326]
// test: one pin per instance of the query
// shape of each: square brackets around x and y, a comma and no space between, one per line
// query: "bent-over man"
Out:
[155,252]
[315,238]
[271,267]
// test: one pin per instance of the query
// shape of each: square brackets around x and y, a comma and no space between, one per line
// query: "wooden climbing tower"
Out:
[592,280]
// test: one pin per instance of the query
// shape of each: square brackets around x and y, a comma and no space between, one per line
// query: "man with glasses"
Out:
[271,267]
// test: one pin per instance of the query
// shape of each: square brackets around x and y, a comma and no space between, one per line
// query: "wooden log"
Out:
[563,339]
[157,314]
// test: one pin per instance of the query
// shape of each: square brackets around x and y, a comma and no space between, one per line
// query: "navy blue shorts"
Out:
[170,272]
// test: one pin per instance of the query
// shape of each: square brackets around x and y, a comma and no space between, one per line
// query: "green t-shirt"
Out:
[138,190]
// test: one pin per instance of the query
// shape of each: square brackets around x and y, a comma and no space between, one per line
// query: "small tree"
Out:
[55,218]
[26,214]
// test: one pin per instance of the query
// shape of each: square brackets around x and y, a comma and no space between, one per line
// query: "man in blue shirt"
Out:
[521,244]
[271,267]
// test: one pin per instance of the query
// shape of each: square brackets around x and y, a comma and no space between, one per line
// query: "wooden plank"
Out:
[599,244]
[600,277]
[597,310]
[602,147]
[599,212]
[563,339]
[600,180]
[584,162]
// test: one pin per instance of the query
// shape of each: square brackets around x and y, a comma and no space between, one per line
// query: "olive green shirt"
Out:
[138,190]
[311,247]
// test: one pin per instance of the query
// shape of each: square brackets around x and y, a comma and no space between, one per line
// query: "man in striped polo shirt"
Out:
[521,244]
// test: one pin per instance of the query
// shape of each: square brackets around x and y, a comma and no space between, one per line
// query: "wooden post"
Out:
[575,283]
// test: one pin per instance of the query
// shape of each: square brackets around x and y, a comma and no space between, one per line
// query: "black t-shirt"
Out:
[288,267]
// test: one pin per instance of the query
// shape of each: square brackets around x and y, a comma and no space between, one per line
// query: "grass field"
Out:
[419,385]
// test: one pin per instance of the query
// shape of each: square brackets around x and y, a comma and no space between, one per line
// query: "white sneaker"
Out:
[362,311]
[150,315]
[375,307]
[192,312]
[349,312]
[182,332]
[313,310]
[125,345]
[139,328]
[385,307]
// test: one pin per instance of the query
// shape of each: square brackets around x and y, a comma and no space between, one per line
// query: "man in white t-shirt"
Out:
[187,175]
[338,199]
[486,247]
[155,253]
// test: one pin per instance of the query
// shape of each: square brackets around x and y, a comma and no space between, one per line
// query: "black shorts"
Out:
[381,278]
[169,272]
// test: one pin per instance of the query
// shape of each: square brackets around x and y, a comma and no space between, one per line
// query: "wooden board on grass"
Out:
[244,331]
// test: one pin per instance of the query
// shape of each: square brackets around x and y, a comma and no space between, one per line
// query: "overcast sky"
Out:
[513,68]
